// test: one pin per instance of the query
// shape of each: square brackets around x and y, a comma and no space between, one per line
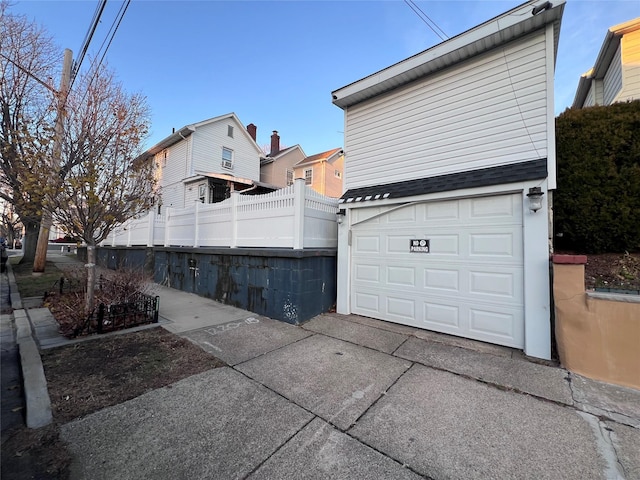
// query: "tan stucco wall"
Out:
[597,338]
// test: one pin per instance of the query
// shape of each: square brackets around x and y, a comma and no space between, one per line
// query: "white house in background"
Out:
[615,77]
[441,153]
[207,160]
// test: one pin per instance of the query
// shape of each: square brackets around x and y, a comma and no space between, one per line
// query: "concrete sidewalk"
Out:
[352,397]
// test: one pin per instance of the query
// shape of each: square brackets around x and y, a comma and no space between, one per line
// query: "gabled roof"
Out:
[484,177]
[524,19]
[319,157]
[607,52]
[280,154]
[187,130]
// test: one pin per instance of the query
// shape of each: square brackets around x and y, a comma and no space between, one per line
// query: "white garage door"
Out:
[470,283]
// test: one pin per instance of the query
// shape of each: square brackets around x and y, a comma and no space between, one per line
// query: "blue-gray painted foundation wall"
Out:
[283,284]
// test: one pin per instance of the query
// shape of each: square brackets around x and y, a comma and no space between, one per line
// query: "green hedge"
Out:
[597,202]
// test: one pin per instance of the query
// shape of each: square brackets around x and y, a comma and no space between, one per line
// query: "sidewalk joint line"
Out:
[280,447]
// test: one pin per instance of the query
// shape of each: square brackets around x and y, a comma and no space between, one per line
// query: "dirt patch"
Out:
[614,271]
[89,376]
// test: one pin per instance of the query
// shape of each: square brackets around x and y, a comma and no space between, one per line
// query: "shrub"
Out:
[597,201]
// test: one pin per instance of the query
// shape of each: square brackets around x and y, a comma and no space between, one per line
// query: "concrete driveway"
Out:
[354,398]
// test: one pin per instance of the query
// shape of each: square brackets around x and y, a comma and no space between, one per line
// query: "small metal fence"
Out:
[138,309]
[141,309]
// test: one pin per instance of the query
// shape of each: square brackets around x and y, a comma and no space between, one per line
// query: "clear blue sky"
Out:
[275,63]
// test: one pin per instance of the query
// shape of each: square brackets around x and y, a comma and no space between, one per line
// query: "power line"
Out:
[114,28]
[95,67]
[87,39]
[427,20]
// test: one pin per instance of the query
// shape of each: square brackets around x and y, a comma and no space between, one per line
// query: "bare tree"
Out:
[10,225]
[28,60]
[101,185]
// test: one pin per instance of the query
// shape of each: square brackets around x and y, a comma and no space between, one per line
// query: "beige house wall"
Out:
[324,180]
[597,337]
[275,173]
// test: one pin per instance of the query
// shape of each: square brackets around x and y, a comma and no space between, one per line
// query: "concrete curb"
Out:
[16,301]
[38,403]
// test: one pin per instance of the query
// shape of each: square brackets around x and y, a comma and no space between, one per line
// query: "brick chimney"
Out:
[252,129]
[275,143]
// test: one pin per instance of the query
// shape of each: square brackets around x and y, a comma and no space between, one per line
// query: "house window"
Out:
[164,158]
[227,157]
[308,176]
[289,177]
[230,131]
[337,173]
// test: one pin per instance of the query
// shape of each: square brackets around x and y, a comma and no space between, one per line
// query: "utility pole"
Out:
[45,224]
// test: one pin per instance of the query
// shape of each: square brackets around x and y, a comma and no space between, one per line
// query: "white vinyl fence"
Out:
[294,217]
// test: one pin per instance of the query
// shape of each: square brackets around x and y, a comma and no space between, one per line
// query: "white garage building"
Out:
[445,155]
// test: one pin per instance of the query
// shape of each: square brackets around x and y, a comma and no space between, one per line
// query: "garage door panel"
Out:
[366,304]
[367,273]
[492,283]
[400,308]
[401,276]
[402,215]
[491,244]
[434,212]
[494,208]
[397,244]
[442,279]
[437,315]
[469,284]
[484,323]
[367,244]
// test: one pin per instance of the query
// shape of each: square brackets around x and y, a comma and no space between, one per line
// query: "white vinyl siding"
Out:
[170,181]
[191,194]
[463,118]
[630,67]
[613,79]
[208,141]
[590,100]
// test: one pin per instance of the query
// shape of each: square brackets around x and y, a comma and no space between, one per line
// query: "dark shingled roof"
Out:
[484,177]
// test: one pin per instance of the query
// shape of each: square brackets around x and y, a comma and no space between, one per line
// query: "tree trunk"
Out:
[29,241]
[91,278]
[40,260]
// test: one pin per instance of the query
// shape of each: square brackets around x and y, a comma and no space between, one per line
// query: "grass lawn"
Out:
[31,285]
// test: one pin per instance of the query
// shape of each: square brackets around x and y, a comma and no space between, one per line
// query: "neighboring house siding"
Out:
[463,118]
[631,66]
[590,100]
[208,141]
[173,173]
[599,92]
[613,79]
[334,184]
[191,193]
[275,173]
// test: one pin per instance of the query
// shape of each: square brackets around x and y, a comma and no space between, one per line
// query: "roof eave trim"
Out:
[447,53]
[172,139]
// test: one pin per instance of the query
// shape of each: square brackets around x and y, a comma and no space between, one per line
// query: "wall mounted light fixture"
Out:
[340,214]
[535,198]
